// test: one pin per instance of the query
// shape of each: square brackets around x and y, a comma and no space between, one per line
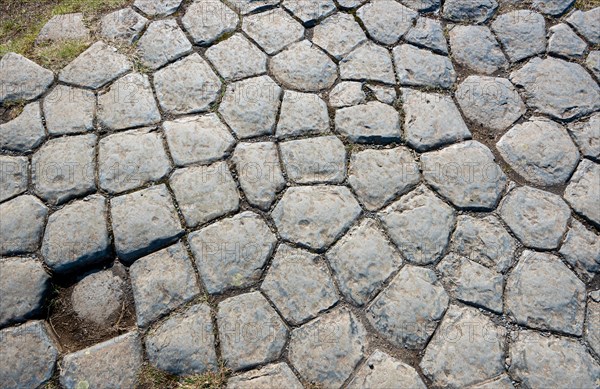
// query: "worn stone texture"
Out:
[368,62]
[420,67]
[564,42]
[587,136]
[476,47]
[163,42]
[469,11]
[124,25]
[63,28]
[314,160]
[347,94]
[522,33]
[302,114]
[25,132]
[583,191]
[338,34]
[69,110]
[581,249]
[586,23]
[99,298]
[157,8]
[383,371]
[21,225]
[386,20]
[236,57]
[15,176]
[207,21]
[273,30]
[373,122]
[428,33]
[277,375]
[22,79]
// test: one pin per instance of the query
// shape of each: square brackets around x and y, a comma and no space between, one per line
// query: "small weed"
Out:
[587,4]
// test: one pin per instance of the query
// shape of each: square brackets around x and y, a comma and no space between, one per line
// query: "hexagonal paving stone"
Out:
[564,42]
[475,47]
[250,106]
[583,191]
[386,20]
[157,8]
[437,73]
[236,57]
[76,236]
[587,137]
[204,193]
[69,110]
[467,348]
[328,349]
[592,327]
[308,11]
[161,282]
[428,33]
[420,225]
[207,21]
[302,114]
[469,11]
[522,33]
[21,225]
[273,30]
[581,249]
[539,219]
[362,261]
[163,42]
[315,216]
[338,35]
[383,371]
[542,293]
[314,160]
[347,94]
[184,344]
[63,28]
[586,23]
[25,132]
[299,284]
[22,79]
[368,62]
[143,222]
[231,253]
[15,176]
[99,298]
[251,331]
[277,375]
[552,7]
[373,122]
[124,25]
[28,356]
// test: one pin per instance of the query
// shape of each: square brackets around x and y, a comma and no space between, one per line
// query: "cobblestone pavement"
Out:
[350,193]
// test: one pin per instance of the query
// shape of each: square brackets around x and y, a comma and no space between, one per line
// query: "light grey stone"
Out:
[476,48]
[522,33]
[541,151]
[314,160]
[420,225]
[14,176]
[99,298]
[592,327]
[309,11]
[28,355]
[161,282]
[586,23]
[350,3]
[24,285]
[63,28]
[114,363]
[467,348]
[197,139]
[231,253]
[157,8]
[491,102]
[552,7]
[431,120]
[273,30]
[385,94]
[338,34]
[21,225]
[503,381]
[143,222]
[379,176]
[76,236]
[302,114]
[328,349]
[587,136]
[206,21]
[22,79]
[242,347]
[469,11]
[204,193]
[386,20]
[581,250]
[184,343]
[236,57]
[251,6]
[419,67]
[564,42]
[63,168]
[583,191]
[315,216]
[69,110]
[123,162]
[259,172]
[362,261]
[299,284]
[250,106]
[539,219]
[428,33]
[373,122]
[368,62]
[277,375]
[407,311]
[383,371]
[347,94]
[95,67]
[124,25]
[187,86]
[25,132]
[303,67]
[163,42]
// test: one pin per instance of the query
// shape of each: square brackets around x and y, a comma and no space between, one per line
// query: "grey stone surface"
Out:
[593,62]
[22,79]
[522,33]
[114,363]
[541,151]
[161,282]
[197,139]
[327,349]
[476,48]
[592,326]
[373,122]
[315,216]
[431,120]
[63,168]
[207,21]
[368,62]
[583,191]
[469,11]
[407,311]
[467,348]
[259,172]
[157,8]
[250,106]
[386,20]
[385,94]
[124,25]
[204,193]
[99,298]
[587,136]
[250,6]
[63,28]
[24,285]
[422,5]
[163,42]
[95,67]
[236,57]
[338,34]
[231,253]
[21,225]
[350,3]
[581,250]
[362,261]
[561,89]
[299,284]
[144,221]
[303,67]
[251,331]
[428,33]
[539,219]
[302,114]
[277,375]
[491,102]
[15,176]
[69,110]
[187,86]
[379,176]
[347,94]
[420,67]
[28,355]
[503,381]
[552,7]
[25,132]
[184,343]
[76,236]
[586,23]
[384,371]
[309,12]
[564,42]
[273,30]
[420,225]
[314,160]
